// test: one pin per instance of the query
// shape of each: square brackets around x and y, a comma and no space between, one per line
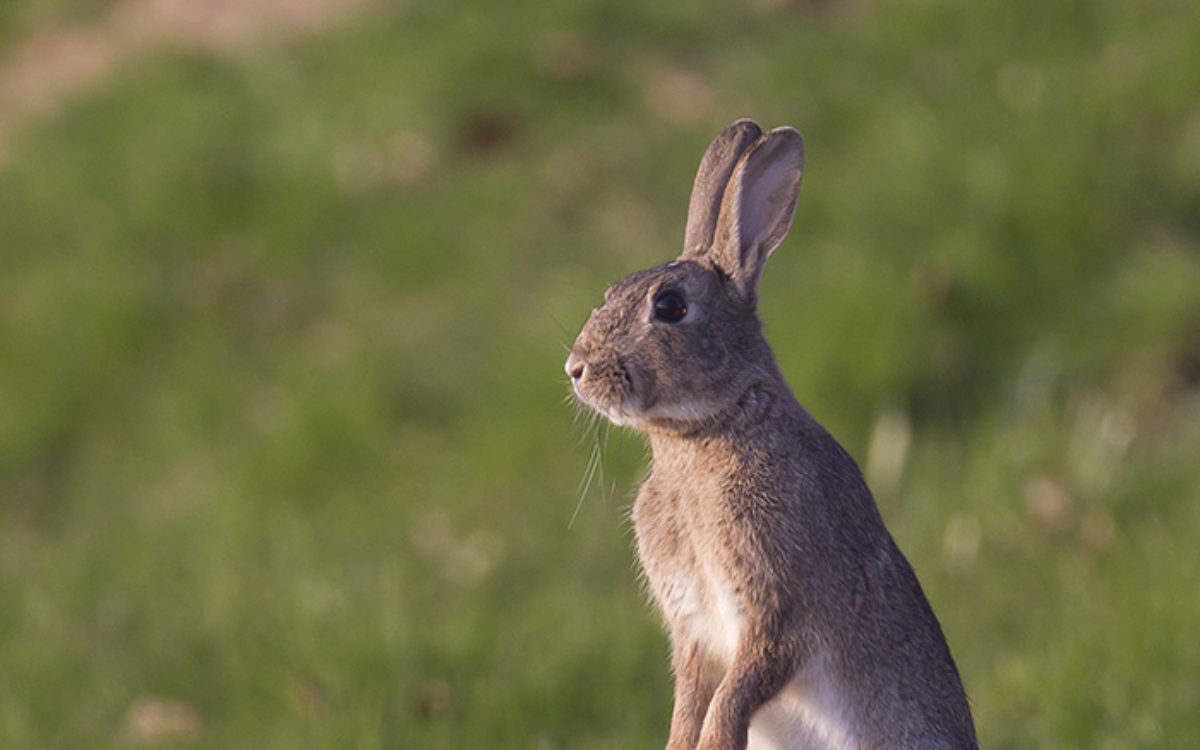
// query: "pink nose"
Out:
[574,367]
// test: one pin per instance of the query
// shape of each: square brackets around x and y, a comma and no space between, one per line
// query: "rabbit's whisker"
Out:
[585,482]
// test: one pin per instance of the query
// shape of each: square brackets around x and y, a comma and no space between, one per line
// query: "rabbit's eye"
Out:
[669,307]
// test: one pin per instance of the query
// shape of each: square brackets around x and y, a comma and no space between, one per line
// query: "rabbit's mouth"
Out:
[626,396]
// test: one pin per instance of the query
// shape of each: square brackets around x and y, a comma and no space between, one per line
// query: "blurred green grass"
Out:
[283,444]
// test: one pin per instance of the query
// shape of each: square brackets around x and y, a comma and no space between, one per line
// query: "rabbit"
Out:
[794,619]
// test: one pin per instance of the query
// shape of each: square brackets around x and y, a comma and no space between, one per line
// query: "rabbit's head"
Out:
[681,343]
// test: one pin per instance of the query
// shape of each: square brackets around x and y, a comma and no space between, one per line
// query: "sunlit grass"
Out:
[285,453]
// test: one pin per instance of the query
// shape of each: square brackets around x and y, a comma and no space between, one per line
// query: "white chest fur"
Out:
[700,602]
[704,605]
[807,713]
[695,594]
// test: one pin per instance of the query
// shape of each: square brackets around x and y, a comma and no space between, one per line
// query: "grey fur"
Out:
[709,187]
[795,621]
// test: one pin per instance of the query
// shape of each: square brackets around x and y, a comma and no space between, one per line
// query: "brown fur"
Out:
[794,619]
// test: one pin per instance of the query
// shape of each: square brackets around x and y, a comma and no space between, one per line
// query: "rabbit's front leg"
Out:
[760,669]
[696,680]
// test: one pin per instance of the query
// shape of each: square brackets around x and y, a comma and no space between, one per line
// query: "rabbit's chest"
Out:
[683,568]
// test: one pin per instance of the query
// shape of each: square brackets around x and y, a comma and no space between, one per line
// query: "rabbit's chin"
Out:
[685,413]
[640,417]
[622,413]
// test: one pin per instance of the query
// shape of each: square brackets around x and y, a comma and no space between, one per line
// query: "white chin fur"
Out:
[689,412]
[622,414]
[627,414]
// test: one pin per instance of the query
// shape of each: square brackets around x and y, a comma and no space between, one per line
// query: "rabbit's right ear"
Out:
[757,207]
[711,179]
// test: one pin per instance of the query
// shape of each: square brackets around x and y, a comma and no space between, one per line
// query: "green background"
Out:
[285,454]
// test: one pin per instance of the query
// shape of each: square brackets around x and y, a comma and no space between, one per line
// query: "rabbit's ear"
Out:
[711,179]
[757,208]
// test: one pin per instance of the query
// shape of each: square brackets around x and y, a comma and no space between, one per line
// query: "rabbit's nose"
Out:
[574,367]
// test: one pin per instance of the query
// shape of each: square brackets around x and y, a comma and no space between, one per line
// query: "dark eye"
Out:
[669,307]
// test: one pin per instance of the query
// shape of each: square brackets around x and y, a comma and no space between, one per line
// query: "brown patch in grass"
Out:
[53,64]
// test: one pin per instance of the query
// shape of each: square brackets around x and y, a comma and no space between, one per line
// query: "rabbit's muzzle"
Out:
[604,384]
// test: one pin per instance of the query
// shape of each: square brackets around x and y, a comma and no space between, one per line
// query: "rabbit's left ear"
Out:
[757,207]
[712,178]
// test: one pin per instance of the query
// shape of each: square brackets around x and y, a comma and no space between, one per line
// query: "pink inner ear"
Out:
[768,196]
[758,206]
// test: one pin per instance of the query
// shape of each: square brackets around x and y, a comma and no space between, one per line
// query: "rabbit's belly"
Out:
[808,714]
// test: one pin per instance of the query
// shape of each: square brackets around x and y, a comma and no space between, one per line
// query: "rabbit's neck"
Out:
[760,410]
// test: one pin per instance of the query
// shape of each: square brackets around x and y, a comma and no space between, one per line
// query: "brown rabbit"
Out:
[795,621]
